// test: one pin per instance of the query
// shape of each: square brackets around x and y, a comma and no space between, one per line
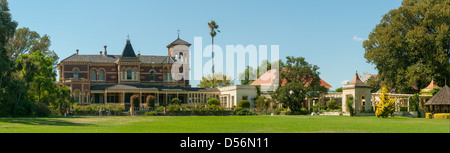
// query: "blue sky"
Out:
[327,33]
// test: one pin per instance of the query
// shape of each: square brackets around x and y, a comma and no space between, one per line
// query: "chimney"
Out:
[77,51]
[101,52]
[106,53]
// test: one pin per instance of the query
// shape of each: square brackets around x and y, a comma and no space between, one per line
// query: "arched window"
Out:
[101,75]
[94,75]
[75,74]
[152,75]
[135,75]
[129,74]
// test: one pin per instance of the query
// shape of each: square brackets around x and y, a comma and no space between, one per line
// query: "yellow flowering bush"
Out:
[442,116]
[428,116]
[386,106]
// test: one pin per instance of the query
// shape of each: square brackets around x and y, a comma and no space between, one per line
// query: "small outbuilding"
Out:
[439,103]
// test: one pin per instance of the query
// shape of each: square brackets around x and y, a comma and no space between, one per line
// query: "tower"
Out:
[361,94]
[179,49]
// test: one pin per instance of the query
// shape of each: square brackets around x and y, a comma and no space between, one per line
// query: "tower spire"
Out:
[178,33]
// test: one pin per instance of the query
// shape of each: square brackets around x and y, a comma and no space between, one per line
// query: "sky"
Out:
[327,33]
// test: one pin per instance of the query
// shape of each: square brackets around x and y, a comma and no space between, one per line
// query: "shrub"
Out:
[243,104]
[213,101]
[150,113]
[442,116]
[160,108]
[278,111]
[331,104]
[176,101]
[428,116]
[244,112]
[41,110]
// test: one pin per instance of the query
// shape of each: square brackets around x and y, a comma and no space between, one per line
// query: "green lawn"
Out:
[224,124]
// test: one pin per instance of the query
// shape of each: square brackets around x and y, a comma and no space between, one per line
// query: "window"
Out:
[135,75]
[152,76]
[123,74]
[101,75]
[129,75]
[168,76]
[244,97]
[93,75]
[77,96]
[75,74]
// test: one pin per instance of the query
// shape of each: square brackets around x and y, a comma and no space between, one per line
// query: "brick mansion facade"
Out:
[129,77]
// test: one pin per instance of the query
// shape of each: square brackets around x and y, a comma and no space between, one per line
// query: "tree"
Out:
[213,27]
[302,80]
[375,84]
[411,45]
[62,99]
[27,41]
[209,82]
[386,106]
[38,73]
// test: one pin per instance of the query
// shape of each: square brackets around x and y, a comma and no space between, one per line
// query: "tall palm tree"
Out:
[213,27]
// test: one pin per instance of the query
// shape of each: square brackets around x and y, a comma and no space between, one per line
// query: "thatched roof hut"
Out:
[440,102]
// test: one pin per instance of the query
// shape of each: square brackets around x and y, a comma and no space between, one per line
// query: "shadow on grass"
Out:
[55,121]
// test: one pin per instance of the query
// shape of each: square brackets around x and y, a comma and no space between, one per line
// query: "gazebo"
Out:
[440,103]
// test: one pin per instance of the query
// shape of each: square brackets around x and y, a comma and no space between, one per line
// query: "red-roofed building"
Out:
[269,83]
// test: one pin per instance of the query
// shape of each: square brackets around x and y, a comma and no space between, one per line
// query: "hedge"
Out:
[92,110]
[178,110]
[442,116]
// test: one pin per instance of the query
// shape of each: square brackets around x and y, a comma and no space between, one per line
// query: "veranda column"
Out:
[106,97]
[140,98]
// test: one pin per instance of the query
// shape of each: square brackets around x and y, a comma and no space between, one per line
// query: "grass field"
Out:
[224,124]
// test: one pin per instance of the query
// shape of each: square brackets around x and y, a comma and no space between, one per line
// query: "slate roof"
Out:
[178,42]
[441,98]
[128,55]
[128,50]
[114,58]
[145,87]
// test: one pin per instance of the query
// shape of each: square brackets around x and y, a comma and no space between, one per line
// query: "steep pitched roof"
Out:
[128,50]
[441,98]
[432,85]
[178,42]
[267,78]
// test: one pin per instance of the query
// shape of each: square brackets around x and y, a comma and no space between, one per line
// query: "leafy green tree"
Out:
[38,72]
[209,82]
[375,84]
[411,44]
[302,80]
[27,41]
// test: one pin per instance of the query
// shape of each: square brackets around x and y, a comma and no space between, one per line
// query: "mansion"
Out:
[127,78]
